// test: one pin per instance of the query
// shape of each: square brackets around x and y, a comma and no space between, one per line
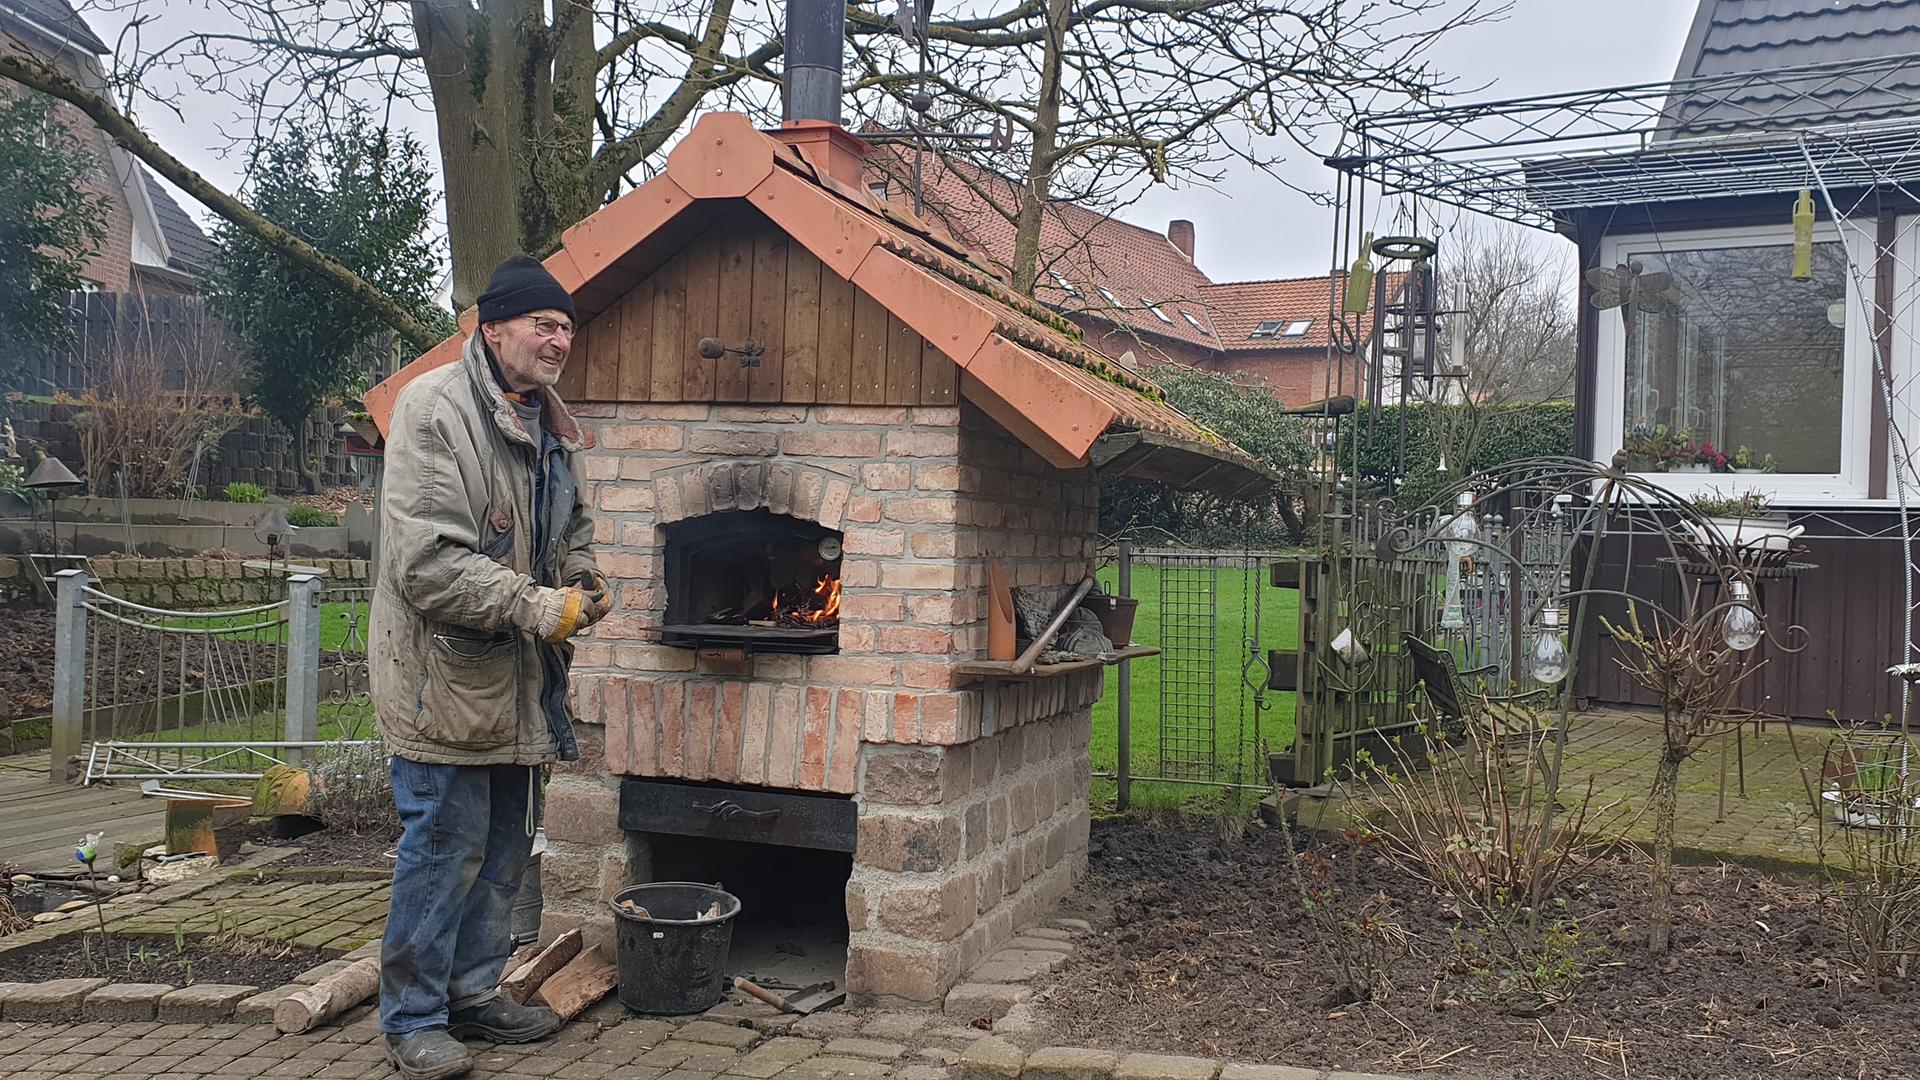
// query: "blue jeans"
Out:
[467,836]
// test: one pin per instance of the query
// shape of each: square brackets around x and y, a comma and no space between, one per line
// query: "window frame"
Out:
[1157,313]
[1856,416]
[1297,328]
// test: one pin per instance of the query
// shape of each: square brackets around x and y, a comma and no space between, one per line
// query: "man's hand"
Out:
[577,607]
[599,597]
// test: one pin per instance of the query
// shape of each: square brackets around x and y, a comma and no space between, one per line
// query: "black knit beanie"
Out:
[521,285]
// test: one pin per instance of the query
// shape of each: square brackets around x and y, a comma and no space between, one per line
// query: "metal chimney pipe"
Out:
[816,42]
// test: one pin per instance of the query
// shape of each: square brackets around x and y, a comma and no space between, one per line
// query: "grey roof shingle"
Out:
[58,16]
[188,248]
[1757,37]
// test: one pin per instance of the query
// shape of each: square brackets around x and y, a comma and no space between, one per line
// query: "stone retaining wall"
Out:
[190,583]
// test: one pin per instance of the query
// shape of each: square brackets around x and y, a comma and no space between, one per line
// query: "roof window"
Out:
[1188,315]
[1063,284]
[1270,328]
[1157,313]
[877,189]
[1108,293]
[1298,328]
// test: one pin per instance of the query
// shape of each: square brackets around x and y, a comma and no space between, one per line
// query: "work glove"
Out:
[599,594]
[571,610]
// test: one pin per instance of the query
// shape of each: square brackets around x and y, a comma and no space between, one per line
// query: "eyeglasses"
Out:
[551,327]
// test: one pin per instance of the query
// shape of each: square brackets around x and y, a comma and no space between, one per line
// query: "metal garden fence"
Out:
[153,693]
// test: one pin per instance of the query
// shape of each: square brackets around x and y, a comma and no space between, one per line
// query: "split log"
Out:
[522,981]
[586,979]
[311,1006]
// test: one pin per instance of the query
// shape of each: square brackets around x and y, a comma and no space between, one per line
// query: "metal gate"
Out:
[149,692]
[1200,711]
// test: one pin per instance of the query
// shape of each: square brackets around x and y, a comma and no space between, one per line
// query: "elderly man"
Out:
[485,573]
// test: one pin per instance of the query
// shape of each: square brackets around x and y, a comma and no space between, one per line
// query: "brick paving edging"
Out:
[237,900]
[994,1058]
[606,1044]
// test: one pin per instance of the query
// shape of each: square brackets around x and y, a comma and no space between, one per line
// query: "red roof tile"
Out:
[1091,251]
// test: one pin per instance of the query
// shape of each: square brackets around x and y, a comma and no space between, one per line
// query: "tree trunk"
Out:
[513,103]
[1040,163]
[1666,787]
[304,466]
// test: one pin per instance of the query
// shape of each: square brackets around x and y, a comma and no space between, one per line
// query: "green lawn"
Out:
[1237,752]
[336,619]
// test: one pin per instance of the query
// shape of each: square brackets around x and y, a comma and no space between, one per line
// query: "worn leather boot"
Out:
[431,1054]
[500,1019]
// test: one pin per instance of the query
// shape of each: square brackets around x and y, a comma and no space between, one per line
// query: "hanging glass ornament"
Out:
[1740,627]
[1548,661]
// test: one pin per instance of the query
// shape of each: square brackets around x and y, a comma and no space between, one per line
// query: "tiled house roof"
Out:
[59,18]
[1081,250]
[1156,288]
[189,249]
[1734,37]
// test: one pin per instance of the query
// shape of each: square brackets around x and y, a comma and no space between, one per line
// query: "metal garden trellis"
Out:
[1539,160]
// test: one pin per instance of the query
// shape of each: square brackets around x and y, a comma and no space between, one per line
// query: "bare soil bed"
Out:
[155,958]
[328,847]
[26,662]
[1200,945]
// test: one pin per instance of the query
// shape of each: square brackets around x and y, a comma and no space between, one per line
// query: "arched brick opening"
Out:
[799,491]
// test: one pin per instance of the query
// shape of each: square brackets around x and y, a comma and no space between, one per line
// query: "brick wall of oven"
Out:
[973,813]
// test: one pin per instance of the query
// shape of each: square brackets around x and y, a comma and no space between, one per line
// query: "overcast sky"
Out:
[1252,226]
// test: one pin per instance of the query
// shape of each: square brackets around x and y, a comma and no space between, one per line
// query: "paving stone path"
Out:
[606,1043]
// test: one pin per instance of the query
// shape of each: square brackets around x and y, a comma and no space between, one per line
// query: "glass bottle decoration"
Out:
[1549,659]
[1740,627]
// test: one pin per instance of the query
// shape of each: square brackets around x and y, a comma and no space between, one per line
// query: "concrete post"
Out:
[303,657]
[69,670]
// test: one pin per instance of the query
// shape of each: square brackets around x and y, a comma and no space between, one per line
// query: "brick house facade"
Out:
[151,244]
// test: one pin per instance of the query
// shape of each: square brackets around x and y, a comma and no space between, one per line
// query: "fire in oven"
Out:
[753,579]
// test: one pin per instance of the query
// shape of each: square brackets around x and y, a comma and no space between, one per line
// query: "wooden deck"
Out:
[40,822]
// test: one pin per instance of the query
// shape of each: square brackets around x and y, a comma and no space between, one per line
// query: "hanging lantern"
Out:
[1740,627]
[1460,532]
[1548,661]
[1360,280]
[1803,236]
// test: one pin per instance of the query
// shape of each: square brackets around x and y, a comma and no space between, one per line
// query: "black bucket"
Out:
[673,963]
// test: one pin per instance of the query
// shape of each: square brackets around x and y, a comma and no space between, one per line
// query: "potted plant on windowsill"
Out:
[1692,457]
[1742,522]
[1647,449]
[1744,460]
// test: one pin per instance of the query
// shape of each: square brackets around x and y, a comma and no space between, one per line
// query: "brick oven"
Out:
[817,421]
[962,804]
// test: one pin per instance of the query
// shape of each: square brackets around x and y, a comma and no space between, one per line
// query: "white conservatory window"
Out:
[1727,352]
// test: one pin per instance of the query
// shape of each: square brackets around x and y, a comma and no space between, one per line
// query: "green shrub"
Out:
[242,492]
[310,517]
[1243,410]
[1507,433]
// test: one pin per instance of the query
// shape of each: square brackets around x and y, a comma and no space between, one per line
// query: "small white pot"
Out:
[1754,533]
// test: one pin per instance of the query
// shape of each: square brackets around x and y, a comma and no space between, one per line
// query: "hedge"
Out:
[1508,433]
